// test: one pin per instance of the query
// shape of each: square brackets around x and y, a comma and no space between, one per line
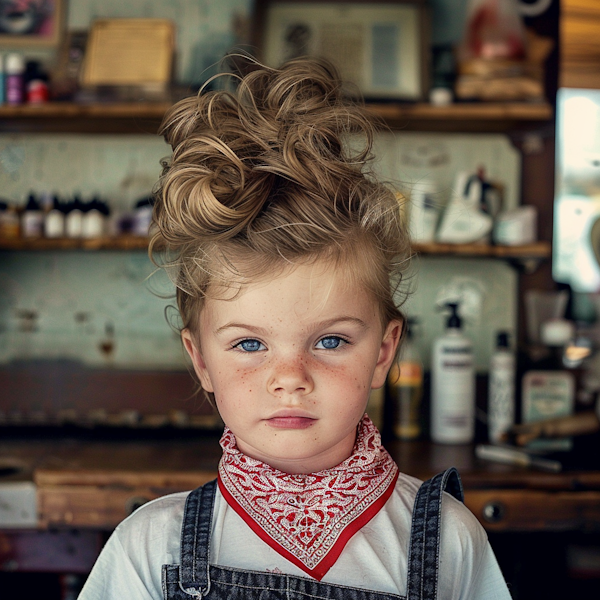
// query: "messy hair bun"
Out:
[275,172]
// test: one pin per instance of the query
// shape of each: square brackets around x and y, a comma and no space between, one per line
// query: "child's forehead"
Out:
[337,281]
[301,296]
[312,273]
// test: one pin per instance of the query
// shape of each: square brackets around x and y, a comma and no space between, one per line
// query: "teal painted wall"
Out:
[75,295]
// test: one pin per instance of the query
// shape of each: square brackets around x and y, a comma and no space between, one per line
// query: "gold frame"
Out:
[108,37]
[270,15]
[8,40]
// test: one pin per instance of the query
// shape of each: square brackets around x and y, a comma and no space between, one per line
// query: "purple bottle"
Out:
[15,79]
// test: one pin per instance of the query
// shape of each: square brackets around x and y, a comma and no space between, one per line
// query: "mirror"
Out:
[576,249]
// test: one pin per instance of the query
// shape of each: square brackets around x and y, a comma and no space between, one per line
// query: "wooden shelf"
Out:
[58,110]
[145,117]
[69,117]
[125,242]
[539,250]
[479,117]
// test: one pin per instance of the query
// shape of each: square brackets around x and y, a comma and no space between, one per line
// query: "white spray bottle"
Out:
[453,384]
[501,395]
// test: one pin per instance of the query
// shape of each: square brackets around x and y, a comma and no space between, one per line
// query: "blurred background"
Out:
[489,115]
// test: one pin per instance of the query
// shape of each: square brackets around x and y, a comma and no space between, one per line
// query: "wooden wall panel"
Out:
[580,44]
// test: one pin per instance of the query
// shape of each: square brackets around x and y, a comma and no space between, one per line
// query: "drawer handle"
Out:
[493,512]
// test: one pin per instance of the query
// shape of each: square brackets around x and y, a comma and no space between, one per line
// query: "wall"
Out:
[205,28]
[75,296]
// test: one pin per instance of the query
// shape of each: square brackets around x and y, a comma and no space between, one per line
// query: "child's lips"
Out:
[291,422]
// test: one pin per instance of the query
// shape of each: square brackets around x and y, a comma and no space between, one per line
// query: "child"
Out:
[287,254]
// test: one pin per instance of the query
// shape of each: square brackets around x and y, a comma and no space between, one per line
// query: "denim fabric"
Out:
[424,549]
[194,577]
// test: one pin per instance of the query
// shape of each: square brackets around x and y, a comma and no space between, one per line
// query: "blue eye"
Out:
[250,345]
[330,343]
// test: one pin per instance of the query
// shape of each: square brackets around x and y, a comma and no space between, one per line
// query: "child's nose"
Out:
[290,377]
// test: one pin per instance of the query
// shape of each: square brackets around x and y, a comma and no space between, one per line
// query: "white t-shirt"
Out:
[375,558]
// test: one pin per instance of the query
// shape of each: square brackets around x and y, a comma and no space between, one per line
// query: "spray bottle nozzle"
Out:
[411,323]
[454,321]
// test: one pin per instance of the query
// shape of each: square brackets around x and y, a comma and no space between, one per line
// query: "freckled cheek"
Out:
[357,377]
[341,378]
[246,380]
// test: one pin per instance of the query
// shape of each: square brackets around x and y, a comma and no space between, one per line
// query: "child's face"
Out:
[291,362]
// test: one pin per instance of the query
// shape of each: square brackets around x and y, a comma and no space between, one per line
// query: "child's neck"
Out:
[304,465]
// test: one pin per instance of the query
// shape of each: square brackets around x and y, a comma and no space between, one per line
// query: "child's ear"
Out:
[197,360]
[387,353]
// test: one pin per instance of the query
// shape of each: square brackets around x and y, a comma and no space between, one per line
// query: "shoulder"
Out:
[155,521]
[457,522]
[159,511]
[468,567]
[459,527]
[132,558]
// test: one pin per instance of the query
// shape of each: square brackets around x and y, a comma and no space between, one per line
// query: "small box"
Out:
[546,395]
[18,505]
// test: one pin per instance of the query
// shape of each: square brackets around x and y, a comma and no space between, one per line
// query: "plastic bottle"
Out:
[54,222]
[2,80]
[94,221]
[405,383]
[32,220]
[36,83]
[10,226]
[501,396]
[453,385]
[548,387]
[74,219]
[424,212]
[15,78]
[142,217]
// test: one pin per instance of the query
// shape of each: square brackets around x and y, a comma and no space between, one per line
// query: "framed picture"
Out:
[381,47]
[129,52]
[30,22]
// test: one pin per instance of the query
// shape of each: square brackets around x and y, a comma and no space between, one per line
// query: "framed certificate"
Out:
[381,47]
[129,52]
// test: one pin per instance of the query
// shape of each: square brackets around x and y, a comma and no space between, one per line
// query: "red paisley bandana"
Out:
[309,518]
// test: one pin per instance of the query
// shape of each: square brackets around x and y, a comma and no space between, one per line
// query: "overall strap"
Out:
[423,553]
[195,538]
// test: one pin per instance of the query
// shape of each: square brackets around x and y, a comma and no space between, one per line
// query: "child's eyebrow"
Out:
[342,319]
[320,325]
[253,328]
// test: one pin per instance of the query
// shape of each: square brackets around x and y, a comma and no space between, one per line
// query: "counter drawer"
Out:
[92,506]
[535,510]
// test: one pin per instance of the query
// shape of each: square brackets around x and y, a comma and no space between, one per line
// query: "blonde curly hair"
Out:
[270,175]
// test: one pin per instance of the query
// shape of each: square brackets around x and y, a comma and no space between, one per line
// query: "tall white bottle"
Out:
[453,385]
[501,396]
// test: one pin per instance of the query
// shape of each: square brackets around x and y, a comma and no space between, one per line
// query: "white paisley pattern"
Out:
[305,514]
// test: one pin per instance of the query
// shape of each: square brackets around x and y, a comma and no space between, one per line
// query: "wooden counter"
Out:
[96,484]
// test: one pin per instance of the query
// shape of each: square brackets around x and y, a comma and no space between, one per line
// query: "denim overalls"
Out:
[194,577]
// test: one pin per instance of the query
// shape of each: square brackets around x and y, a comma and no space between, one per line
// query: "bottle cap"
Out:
[15,63]
[144,202]
[556,332]
[454,321]
[32,203]
[441,96]
[502,339]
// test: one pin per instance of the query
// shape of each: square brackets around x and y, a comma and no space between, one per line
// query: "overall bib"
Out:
[196,578]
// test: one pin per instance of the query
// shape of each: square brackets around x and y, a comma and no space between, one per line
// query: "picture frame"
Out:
[129,52]
[31,22]
[381,47]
